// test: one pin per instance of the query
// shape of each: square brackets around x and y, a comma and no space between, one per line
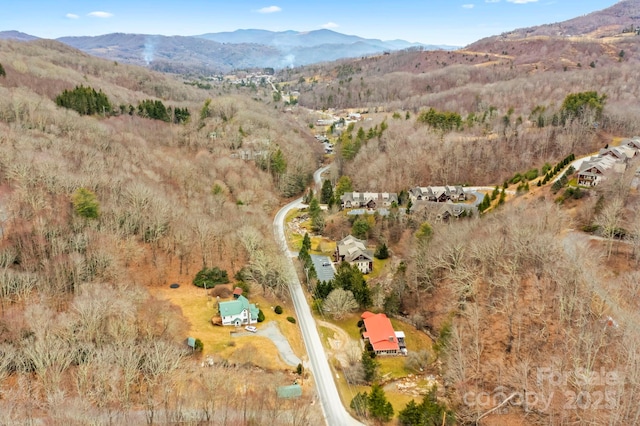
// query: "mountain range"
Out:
[227,51]
[624,16]
[223,52]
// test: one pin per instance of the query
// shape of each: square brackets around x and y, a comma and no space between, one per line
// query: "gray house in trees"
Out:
[369,200]
[438,194]
[354,251]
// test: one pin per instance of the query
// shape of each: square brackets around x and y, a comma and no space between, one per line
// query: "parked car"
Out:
[251,328]
[326,263]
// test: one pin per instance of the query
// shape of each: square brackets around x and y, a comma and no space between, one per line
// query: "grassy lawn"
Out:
[378,268]
[322,245]
[347,392]
[390,367]
[348,324]
[290,331]
[319,244]
[293,239]
[325,334]
[198,309]
[400,400]
[415,339]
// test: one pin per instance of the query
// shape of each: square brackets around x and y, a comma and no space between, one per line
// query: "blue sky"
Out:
[428,21]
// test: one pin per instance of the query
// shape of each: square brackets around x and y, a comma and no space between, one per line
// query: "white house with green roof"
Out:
[238,312]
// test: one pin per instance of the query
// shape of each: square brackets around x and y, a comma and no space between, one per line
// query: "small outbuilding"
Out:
[291,391]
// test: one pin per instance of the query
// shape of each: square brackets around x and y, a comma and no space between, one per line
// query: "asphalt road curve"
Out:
[334,412]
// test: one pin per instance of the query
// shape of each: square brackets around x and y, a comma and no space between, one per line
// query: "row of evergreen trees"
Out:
[305,257]
[348,278]
[444,121]
[376,406]
[86,101]
[157,111]
[558,167]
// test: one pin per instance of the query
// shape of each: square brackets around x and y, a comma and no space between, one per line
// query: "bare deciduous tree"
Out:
[339,303]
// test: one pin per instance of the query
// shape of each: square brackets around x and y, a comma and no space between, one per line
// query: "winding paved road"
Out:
[334,412]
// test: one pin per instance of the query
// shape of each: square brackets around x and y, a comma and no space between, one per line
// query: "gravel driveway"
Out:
[271,331]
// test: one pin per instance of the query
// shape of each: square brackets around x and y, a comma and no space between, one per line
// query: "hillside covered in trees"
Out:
[101,206]
[523,292]
[116,181]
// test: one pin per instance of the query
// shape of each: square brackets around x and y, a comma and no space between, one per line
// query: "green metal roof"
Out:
[235,307]
[291,391]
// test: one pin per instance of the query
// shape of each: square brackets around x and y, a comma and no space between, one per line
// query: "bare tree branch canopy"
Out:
[101,212]
[339,303]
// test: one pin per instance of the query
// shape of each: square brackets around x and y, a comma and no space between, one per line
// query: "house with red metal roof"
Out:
[380,333]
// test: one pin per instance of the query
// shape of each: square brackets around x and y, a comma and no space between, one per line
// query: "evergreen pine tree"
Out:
[380,408]
[306,241]
[360,404]
[495,193]
[411,415]
[382,252]
[326,193]
[369,365]
[317,217]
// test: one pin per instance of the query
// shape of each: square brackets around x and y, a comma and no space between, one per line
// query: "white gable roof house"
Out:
[238,312]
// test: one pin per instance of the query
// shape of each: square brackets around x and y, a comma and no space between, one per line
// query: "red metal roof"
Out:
[380,332]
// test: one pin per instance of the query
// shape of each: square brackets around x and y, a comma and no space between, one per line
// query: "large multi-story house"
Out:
[354,251]
[238,312]
[439,194]
[609,160]
[593,170]
[370,200]
[623,152]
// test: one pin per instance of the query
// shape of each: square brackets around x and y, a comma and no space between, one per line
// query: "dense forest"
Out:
[98,210]
[520,294]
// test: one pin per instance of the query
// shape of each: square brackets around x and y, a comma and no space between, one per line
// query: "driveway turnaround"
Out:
[273,332]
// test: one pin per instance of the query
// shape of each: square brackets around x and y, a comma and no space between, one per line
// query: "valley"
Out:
[405,237]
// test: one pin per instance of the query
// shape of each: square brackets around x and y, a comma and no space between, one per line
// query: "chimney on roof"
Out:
[391,338]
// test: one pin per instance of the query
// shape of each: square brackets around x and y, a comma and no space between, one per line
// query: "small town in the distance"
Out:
[219,230]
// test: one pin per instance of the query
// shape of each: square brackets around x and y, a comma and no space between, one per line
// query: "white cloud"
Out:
[72,16]
[329,25]
[270,9]
[468,6]
[522,1]
[492,1]
[100,14]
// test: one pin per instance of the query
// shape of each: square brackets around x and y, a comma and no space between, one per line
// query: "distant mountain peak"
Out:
[613,20]
[311,38]
[16,35]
